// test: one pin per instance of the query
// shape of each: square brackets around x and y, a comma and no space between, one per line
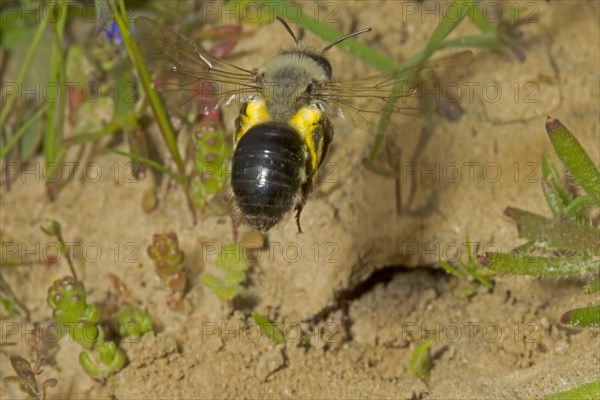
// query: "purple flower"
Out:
[112,33]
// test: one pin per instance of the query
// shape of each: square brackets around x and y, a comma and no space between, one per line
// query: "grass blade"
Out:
[520,264]
[10,101]
[574,158]
[562,233]
[55,120]
[420,361]
[157,107]
[151,163]
[4,150]
[586,317]
[272,332]
[453,16]
[588,391]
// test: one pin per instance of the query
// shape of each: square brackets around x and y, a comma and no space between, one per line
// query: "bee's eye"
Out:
[311,87]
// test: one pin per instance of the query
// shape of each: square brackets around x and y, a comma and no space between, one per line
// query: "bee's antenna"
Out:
[285,24]
[344,38]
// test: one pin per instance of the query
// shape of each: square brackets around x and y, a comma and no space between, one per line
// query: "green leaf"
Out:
[586,317]
[449,268]
[553,198]
[15,36]
[23,131]
[222,289]
[232,258]
[228,292]
[480,22]
[235,277]
[24,67]
[520,264]
[126,97]
[549,171]
[212,281]
[562,233]
[588,391]
[420,361]
[453,16]
[578,205]
[272,332]
[149,162]
[574,158]
[32,136]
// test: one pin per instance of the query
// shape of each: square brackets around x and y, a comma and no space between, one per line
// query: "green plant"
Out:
[233,261]
[211,152]
[588,391]
[130,322]
[169,262]
[267,327]
[471,269]
[67,299]
[420,362]
[568,243]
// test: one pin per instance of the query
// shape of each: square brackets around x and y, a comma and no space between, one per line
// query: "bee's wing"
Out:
[185,72]
[399,90]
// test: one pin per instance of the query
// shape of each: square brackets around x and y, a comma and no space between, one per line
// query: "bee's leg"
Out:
[305,190]
[298,212]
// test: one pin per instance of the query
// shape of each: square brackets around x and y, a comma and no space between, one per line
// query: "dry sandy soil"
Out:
[361,282]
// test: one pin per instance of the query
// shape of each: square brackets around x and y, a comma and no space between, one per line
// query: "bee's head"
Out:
[318,59]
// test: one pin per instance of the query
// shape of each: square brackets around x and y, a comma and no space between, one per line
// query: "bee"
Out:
[283,131]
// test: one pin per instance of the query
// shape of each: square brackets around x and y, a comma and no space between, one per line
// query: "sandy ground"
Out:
[360,284]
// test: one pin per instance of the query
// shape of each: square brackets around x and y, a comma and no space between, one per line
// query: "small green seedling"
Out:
[210,153]
[131,322]
[105,360]
[267,327]
[27,377]
[471,270]
[169,262]
[420,362]
[233,261]
[67,299]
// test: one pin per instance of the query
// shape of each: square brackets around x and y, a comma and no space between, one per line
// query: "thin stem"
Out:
[15,138]
[157,107]
[53,135]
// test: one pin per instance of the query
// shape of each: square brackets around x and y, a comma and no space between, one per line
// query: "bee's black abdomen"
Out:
[267,173]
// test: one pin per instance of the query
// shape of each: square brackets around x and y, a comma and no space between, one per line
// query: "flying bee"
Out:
[283,131]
